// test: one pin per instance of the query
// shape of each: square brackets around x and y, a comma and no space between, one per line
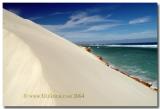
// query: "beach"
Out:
[37,61]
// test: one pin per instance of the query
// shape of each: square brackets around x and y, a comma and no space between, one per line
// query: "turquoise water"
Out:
[140,62]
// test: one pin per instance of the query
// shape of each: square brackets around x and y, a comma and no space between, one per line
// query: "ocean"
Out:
[140,61]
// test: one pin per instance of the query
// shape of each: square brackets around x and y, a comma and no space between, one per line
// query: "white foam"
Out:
[138,46]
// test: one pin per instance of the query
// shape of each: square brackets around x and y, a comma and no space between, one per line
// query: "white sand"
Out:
[37,61]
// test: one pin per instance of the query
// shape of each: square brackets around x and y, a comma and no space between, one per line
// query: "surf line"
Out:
[88,49]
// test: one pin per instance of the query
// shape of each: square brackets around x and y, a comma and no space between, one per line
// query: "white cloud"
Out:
[35,18]
[52,28]
[101,27]
[140,20]
[144,33]
[109,15]
[78,15]
[84,20]
[52,14]
[59,13]
[15,11]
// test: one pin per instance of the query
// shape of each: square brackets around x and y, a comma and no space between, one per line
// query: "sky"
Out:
[93,22]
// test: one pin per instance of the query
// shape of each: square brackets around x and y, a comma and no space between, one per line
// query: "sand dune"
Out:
[37,61]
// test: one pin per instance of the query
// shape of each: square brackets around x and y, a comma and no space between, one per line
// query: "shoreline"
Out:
[138,79]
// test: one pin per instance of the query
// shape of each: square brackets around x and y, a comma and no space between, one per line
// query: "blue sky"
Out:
[93,22]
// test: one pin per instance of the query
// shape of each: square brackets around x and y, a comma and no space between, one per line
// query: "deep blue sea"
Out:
[137,61]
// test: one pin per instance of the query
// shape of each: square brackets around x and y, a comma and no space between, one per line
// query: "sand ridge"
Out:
[57,65]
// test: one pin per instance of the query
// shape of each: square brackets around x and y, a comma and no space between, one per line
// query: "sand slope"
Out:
[37,61]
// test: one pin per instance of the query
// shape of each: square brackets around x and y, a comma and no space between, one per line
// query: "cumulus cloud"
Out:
[140,20]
